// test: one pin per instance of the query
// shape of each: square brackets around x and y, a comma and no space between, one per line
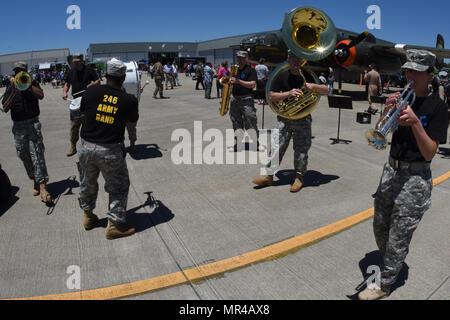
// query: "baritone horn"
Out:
[226,91]
[377,137]
[311,35]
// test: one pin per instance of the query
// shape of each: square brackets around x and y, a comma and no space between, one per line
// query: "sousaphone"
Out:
[311,35]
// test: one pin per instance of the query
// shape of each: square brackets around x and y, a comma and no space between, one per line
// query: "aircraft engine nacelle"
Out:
[344,56]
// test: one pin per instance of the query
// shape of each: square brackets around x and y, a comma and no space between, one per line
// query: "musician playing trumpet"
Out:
[24,105]
[404,191]
[287,85]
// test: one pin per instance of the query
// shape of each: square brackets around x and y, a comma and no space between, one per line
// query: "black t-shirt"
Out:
[80,79]
[432,113]
[24,105]
[286,81]
[245,74]
[107,110]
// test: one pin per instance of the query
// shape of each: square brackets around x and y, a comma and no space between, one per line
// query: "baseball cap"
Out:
[243,54]
[116,68]
[419,60]
[78,57]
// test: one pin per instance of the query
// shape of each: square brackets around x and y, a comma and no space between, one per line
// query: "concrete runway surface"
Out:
[203,230]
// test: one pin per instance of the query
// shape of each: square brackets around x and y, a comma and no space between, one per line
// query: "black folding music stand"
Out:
[340,102]
[379,99]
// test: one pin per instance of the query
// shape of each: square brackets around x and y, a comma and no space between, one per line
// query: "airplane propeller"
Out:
[343,52]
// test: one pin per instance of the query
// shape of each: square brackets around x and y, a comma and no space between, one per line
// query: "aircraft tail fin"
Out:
[440,45]
[440,42]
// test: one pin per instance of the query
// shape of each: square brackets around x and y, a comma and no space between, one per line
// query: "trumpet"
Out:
[377,138]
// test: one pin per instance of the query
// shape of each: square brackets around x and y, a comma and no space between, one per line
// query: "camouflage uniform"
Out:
[300,131]
[75,125]
[30,148]
[402,197]
[131,129]
[159,78]
[243,113]
[109,160]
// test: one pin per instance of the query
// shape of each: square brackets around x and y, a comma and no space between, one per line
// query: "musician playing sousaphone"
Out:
[22,98]
[404,191]
[288,84]
[80,77]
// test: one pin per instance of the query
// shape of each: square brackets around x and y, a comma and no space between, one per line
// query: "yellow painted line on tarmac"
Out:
[201,273]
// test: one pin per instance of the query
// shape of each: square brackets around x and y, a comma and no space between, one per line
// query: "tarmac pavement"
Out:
[193,215]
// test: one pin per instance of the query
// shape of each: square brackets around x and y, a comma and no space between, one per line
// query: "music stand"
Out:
[340,102]
[379,99]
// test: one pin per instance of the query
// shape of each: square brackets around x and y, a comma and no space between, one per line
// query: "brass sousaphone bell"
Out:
[311,35]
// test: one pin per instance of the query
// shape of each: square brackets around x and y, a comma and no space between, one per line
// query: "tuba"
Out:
[226,91]
[387,124]
[311,35]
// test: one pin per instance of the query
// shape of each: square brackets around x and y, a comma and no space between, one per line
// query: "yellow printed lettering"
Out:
[115,100]
[115,110]
[99,107]
[97,117]
[110,109]
[105,107]
[102,119]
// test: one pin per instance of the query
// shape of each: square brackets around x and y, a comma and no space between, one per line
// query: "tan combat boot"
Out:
[72,151]
[36,189]
[298,183]
[45,196]
[89,220]
[264,181]
[115,231]
[373,292]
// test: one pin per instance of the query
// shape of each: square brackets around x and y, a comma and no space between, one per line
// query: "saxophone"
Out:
[226,91]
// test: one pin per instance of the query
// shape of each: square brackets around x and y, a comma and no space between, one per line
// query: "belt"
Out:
[244,97]
[415,165]
[27,121]
[105,145]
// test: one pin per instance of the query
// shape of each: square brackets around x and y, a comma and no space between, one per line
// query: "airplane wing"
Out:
[400,50]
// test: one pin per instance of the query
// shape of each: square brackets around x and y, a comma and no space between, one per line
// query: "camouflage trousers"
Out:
[401,200]
[75,125]
[110,161]
[300,132]
[159,87]
[30,148]
[243,114]
[131,129]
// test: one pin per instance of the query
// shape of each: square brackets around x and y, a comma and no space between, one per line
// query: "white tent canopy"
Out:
[43,66]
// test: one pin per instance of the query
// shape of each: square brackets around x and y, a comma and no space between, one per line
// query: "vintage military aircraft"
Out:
[316,34]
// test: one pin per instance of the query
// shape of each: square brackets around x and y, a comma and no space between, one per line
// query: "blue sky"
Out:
[36,25]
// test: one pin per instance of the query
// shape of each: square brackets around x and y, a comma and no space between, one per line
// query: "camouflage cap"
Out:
[20,65]
[419,60]
[115,68]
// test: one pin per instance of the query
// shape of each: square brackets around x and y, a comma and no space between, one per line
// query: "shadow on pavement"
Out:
[374,258]
[10,202]
[142,221]
[146,151]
